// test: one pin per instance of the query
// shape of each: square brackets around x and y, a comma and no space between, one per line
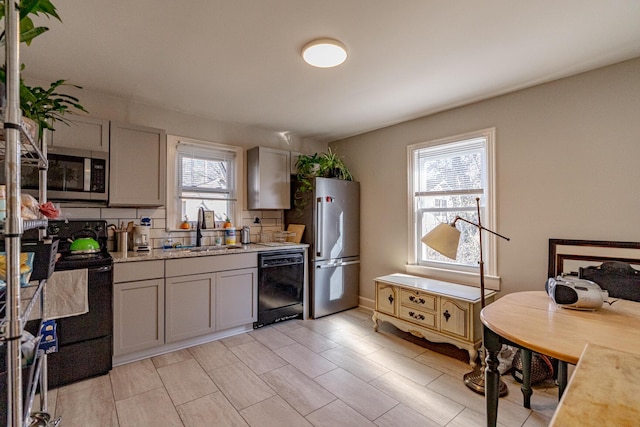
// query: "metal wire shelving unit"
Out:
[19,148]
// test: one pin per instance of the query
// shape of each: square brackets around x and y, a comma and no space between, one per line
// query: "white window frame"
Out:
[451,271]
[173,208]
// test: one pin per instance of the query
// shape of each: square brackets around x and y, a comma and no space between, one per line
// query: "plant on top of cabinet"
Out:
[42,106]
[325,165]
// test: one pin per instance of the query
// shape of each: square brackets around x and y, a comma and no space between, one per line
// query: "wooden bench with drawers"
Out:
[432,309]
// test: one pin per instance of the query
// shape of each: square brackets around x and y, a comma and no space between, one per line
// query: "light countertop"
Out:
[603,390]
[161,254]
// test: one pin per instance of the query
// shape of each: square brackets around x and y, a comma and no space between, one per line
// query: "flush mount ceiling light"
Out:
[324,53]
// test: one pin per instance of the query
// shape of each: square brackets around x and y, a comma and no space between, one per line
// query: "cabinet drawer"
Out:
[454,318]
[423,318]
[208,264]
[386,299]
[419,300]
[138,270]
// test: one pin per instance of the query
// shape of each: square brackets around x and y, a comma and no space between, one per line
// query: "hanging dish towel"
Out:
[66,295]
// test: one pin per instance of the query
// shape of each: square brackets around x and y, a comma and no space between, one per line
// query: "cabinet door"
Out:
[138,312]
[268,178]
[386,299]
[137,159]
[190,306]
[83,133]
[454,318]
[236,298]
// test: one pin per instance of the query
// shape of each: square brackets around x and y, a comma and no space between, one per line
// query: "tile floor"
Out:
[334,371]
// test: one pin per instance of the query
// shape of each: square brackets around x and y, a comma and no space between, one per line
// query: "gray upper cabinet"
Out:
[268,178]
[84,133]
[138,159]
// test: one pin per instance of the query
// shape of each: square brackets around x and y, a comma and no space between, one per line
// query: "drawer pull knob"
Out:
[446,315]
[416,316]
[390,299]
[416,300]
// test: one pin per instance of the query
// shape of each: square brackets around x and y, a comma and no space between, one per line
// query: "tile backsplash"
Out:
[267,221]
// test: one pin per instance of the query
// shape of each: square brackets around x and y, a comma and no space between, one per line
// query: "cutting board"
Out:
[298,229]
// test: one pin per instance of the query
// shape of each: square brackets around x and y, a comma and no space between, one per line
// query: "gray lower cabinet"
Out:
[236,298]
[190,306]
[138,308]
[210,294]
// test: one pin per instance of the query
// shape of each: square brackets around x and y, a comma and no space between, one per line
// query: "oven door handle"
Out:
[102,269]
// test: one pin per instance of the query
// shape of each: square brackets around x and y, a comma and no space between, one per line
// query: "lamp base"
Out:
[475,381]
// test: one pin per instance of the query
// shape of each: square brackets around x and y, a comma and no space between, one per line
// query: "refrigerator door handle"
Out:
[336,264]
[318,238]
[340,264]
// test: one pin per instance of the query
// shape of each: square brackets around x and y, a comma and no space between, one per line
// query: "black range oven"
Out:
[85,341]
[280,286]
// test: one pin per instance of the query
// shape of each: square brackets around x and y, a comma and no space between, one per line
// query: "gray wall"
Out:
[568,166]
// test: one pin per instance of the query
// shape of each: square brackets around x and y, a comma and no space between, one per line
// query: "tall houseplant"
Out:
[325,165]
[43,106]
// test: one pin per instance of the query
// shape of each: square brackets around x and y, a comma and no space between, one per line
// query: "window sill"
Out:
[454,276]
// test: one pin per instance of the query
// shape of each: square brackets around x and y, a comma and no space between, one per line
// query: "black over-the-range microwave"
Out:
[73,174]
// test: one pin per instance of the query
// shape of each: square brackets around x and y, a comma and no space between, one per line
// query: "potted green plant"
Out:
[42,106]
[325,165]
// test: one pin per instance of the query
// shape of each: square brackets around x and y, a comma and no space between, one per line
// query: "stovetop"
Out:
[66,232]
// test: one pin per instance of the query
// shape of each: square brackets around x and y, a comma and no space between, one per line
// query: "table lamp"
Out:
[444,238]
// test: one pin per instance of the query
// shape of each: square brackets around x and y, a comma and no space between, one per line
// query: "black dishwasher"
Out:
[280,286]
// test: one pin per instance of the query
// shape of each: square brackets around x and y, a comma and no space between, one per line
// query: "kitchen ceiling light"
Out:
[324,53]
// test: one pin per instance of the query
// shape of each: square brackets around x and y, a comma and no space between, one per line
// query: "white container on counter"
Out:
[230,236]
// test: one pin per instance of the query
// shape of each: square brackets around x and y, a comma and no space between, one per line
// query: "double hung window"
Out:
[206,177]
[445,178]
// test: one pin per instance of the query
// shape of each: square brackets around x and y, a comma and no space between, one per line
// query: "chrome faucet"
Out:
[199,226]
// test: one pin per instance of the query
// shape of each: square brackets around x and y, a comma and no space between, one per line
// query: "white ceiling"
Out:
[239,60]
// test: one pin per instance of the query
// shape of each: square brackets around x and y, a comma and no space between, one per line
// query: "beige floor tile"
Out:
[405,366]
[338,413]
[402,415]
[241,385]
[102,380]
[537,420]
[152,408]
[288,325]
[169,358]
[362,314]
[300,391]
[258,357]
[236,340]
[397,344]
[427,402]
[322,326]
[353,325]
[363,368]
[212,409]
[213,355]
[312,340]
[444,363]
[186,381]
[509,413]
[470,418]
[305,360]
[134,378]
[352,341]
[273,412]
[362,397]
[271,337]
[86,404]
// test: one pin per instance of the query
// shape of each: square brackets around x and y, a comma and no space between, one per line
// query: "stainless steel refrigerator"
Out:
[331,215]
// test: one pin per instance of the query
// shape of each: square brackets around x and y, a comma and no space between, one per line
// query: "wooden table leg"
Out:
[525,355]
[491,375]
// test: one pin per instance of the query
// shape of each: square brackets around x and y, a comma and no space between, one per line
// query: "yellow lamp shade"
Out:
[444,239]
